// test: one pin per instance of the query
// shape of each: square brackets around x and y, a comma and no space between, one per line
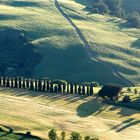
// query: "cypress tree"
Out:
[12,82]
[36,85]
[51,86]
[83,89]
[7,82]
[31,85]
[79,90]
[27,83]
[88,90]
[16,84]
[71,88]
[59,87]
[0,81]
[23,83]
[68,90]
[39,85]
[64,87]
[75,88]
[91,89]
[43,87]
[4,81]
[19,82]
[48,85]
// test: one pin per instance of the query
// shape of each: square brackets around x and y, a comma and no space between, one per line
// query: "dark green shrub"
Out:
[52,134]
[75,136]
[63,135]
[126,99]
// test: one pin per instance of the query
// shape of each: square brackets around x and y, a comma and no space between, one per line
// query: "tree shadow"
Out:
[125,124]
[22,4]
[92,107]
[8,17]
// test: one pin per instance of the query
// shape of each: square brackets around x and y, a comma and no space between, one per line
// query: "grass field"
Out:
[109,38]
[38,113]
[64,56]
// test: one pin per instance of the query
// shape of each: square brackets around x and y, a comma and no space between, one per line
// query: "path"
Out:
[87,47]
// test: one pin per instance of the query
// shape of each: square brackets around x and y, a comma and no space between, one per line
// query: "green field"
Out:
[39,112]
[64,56]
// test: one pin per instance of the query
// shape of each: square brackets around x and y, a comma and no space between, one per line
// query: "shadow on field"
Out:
[92,107]
[8,17]
[126,124]
[95,107]
[7,135]
[22,4]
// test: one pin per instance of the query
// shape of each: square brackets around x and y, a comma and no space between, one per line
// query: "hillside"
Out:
[38,113]
[132,5]
[63,53]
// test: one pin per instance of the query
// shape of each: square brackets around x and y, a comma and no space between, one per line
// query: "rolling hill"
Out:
[64,55]
[39,112]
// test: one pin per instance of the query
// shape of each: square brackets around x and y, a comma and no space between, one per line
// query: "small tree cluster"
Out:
[73,136]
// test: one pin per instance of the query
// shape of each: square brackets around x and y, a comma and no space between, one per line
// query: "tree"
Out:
[31,85]
[48,85]
[16,84]
[19,82]
[68,90]
[59,87]
[12,82]
[110,91]
[75,136]
[83,90]
[4,81]
[126,99]
[91,89]
[27,83]
[135,91]
[129,90]
[7,82]
[64,87]
[71,88]
[88,90]
[75,87]
[36,85]
[63,135]
[79,90]
[39,85]
[87,138]
[23,84]
[52,134]
[51,87]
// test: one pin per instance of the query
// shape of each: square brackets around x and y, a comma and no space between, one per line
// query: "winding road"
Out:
[87,47]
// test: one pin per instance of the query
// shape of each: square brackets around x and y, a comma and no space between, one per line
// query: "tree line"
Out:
[45,85]
[115,8]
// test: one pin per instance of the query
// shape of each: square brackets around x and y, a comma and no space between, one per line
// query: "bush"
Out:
[126,99]
[52,134]
[28,133]
[75,136]
[110,90]
[63,135]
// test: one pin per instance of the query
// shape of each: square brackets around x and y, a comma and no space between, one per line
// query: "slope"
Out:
[109,38]
[131,5]
[64,55]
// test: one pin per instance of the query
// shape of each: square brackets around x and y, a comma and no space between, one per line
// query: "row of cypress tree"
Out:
[44,85]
